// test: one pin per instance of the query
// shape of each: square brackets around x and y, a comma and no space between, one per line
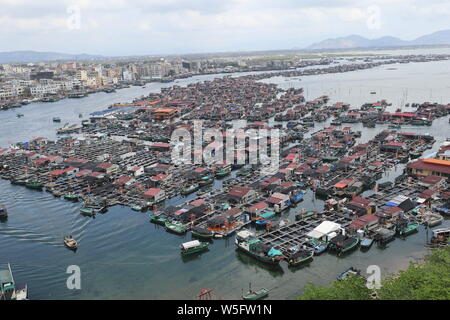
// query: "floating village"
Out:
[123,155]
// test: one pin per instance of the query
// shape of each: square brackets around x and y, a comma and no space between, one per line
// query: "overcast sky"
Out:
[128,27]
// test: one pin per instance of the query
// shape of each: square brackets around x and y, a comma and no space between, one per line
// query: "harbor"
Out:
[333,170]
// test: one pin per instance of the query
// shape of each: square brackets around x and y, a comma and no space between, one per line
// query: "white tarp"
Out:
[325,228]
[191,244]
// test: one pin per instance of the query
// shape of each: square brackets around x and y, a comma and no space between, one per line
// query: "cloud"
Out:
[119,27]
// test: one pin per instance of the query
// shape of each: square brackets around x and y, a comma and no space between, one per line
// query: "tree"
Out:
[350,288]
[427,280]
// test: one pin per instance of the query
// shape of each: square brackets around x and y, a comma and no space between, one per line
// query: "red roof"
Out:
[160,177]
[151,193]
[239,192]
[123,180]
[105,165]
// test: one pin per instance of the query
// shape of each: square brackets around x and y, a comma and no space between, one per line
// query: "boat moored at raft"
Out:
[158,219]
[175,227]
[71,197]
[299,256]
[202,233]
[247,242]
[343,243]
[405,228]
[35,185]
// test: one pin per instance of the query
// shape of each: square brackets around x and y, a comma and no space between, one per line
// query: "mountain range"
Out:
[349,42]
[354,41]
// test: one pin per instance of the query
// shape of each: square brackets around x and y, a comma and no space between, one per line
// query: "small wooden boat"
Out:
[3,212]
[193,246]
[56,119]
[255,295]
[348,272]
[70,242]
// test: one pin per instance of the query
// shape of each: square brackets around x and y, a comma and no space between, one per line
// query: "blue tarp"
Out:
[274,252]
[391,204]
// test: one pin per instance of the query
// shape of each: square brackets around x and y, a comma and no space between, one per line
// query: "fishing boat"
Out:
[158,219]
[87,211]
[317,245]
[175,227]
[56,119]
[70,242]
[366,243]
[9,290]
[405,229]
[247,242]
[35,185]
[71,197]
[343,243]
[299,256]
[223,173]
[244,172]
[188,190]
[19,182]
[255,295]
[350,271]
[203,233]
[206,182]
[193,246]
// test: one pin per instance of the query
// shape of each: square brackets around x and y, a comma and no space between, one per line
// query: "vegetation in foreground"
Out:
[427,280]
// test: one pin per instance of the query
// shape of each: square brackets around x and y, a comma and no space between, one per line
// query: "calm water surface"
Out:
[123,256]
